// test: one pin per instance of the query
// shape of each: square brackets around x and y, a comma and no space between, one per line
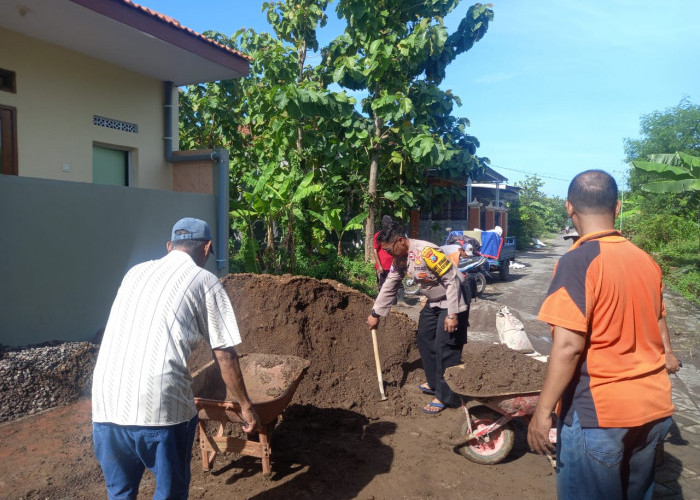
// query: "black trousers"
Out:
[440,349]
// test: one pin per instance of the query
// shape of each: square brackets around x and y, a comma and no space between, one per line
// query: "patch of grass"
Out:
[350,270]
[680,263]
[686,282]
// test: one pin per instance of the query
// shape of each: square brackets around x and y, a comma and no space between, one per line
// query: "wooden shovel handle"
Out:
[378,363]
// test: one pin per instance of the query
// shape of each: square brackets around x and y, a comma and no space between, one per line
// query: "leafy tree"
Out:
[305,161]
[662,211]
[676,129]
[397,53]
[281,128]
[534,214]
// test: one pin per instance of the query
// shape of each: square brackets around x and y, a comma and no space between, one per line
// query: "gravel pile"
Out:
[40,377]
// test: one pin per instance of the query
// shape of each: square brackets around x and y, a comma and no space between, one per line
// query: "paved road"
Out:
[678,477]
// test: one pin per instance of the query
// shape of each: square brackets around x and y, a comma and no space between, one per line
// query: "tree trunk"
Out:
[291,253]
[269,253]
[300,63]
[291,246]
[372,190]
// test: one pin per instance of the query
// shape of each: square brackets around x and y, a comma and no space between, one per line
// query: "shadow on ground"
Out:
[319,447]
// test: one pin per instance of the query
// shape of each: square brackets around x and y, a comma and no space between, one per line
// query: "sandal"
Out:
[426,390]
[433,408]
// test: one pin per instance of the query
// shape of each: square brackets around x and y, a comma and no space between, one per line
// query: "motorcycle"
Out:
[476,270]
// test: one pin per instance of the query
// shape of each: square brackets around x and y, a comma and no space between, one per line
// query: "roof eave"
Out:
[159,26]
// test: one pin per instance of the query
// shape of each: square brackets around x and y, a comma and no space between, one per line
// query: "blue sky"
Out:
[555,85]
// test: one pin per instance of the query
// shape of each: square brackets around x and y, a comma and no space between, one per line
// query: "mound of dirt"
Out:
[325,323]
[494,370]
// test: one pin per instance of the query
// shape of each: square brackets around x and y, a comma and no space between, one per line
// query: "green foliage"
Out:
[352,271]
[675,129]
[305,160]
[665,132]
[332,221]
[681,267]
[671,173]
[661,214]
[397,53]
[653,233]
[535,214]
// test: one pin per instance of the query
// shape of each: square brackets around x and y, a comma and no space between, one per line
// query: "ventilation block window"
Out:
[8,81]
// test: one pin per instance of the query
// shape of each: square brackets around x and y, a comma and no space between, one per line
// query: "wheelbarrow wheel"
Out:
[487,451]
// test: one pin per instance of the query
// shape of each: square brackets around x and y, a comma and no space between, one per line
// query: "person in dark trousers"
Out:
[442,326]
[608,368]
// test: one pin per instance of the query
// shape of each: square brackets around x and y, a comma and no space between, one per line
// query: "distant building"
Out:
[480,205]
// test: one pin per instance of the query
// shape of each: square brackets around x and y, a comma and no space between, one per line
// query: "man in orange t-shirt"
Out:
[610,358]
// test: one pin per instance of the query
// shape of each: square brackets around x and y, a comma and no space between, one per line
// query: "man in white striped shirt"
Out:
[142,403]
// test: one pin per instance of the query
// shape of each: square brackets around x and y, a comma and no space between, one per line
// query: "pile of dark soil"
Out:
[494,370]
[325,323]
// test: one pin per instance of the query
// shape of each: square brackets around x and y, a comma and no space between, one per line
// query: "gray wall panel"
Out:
[65,247]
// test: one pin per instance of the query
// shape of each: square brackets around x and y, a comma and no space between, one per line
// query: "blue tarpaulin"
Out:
[491,244]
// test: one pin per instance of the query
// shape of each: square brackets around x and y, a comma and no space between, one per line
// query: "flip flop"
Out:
[422,389]
[433,404]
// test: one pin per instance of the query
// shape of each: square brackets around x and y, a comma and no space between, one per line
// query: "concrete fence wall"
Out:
[65,246]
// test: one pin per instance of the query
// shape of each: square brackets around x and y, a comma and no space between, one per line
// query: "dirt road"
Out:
[349,448]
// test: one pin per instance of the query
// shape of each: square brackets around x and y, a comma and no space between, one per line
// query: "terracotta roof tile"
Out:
[176,24]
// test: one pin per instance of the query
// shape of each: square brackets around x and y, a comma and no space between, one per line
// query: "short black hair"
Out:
[190,247]
[390,233]
[593,192]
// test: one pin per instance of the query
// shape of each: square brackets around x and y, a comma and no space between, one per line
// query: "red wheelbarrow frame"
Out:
[510,406]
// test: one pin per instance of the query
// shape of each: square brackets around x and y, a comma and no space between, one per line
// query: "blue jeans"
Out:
[124,452]
[609,463]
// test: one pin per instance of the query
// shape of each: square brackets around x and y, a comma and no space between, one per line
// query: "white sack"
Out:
[511,331]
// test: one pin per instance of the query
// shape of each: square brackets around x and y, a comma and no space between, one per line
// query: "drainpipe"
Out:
[221,188]
[220,159]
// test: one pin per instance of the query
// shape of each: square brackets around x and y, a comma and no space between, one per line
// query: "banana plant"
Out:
[332,221]
[676,173]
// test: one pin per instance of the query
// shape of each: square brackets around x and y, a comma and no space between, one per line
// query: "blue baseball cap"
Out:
[191,229]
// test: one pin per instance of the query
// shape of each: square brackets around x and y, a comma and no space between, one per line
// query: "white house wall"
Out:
[59,92]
